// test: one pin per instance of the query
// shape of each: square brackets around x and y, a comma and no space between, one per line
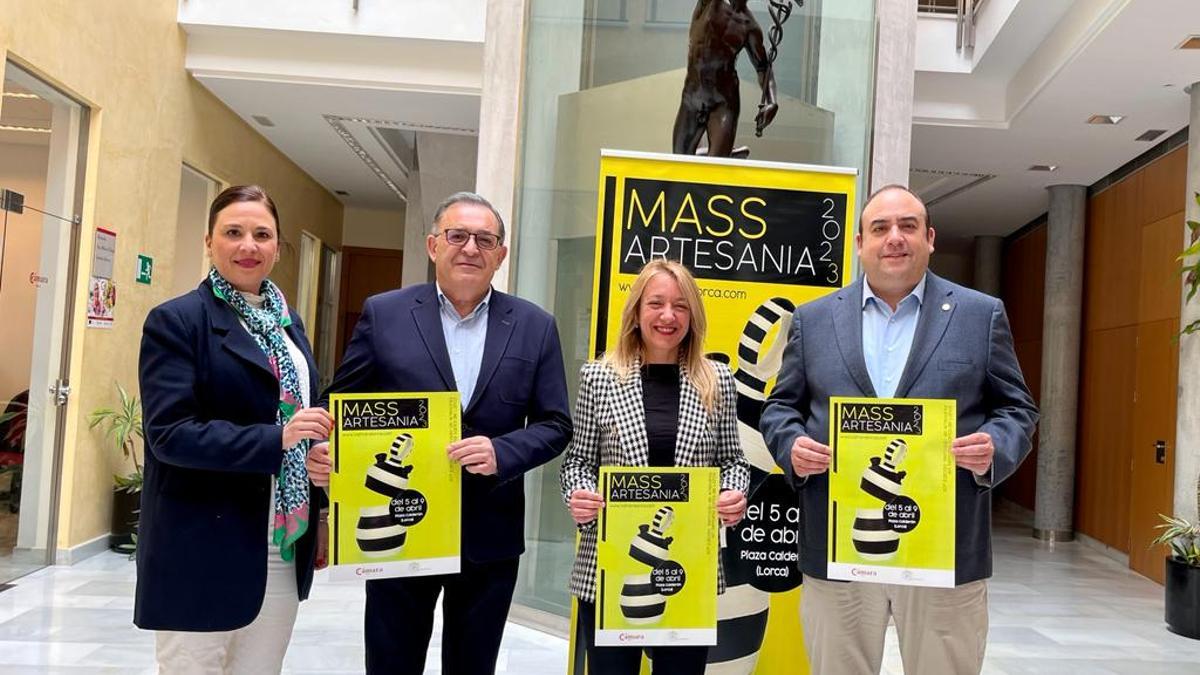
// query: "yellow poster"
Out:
[656,557]
[395,495]
[761,239]
[892,491]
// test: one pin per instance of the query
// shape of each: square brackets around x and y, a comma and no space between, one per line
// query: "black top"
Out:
[660,399]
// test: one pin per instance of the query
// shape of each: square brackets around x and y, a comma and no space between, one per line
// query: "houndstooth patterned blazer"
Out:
[610,430]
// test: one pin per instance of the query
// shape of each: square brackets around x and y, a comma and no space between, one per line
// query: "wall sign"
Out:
[145,268]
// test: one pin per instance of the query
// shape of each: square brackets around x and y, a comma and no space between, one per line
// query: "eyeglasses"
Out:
[486,241]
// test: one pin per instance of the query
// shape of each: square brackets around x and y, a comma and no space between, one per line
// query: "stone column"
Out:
[1054,504]
[1187,426]
[894,78]
[989,264]
[499,114]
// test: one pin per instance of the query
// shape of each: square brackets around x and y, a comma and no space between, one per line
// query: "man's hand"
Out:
[319,464]
[585,506]
[973,452]
[310,423]
[731,506]
[476,454]
[809,456]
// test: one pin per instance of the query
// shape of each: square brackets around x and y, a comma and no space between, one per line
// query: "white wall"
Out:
[937,45]
[373,228]
[22,169]
[452,20]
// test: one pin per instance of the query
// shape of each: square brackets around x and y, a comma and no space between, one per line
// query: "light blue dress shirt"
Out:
[887,336]
[465,337]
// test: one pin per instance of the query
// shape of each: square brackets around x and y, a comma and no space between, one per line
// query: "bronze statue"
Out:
[711,103]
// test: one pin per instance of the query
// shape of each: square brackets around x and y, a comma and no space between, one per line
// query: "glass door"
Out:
[42,146]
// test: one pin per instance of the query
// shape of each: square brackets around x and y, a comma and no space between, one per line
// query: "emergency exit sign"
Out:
[145,268]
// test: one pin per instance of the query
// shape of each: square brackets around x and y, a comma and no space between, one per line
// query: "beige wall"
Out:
[23,169]
[373,228]
[125,60]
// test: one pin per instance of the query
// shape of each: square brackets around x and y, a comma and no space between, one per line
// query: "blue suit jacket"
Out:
[962,350]
[520,398]
[209,400]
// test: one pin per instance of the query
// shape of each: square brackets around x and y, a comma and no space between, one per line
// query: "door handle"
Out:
[1160,452]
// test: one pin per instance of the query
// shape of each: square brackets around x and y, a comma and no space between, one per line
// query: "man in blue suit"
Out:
[502,354]
[902,332]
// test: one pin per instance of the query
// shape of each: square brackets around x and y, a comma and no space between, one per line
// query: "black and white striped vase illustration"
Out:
[743,610]
[378,534]
[873,537]
[641,603]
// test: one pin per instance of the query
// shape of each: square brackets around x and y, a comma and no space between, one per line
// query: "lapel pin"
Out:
[946,307]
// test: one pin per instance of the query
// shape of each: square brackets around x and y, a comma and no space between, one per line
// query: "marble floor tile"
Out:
[1061,609]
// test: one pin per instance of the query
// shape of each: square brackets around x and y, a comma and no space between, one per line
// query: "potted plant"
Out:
[1183,573]
[123,425]
[1181,536]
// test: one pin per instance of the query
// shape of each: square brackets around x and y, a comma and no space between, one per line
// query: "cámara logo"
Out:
[859,572]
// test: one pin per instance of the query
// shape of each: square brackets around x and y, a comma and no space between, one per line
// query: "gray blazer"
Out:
[610,430]
[962,349]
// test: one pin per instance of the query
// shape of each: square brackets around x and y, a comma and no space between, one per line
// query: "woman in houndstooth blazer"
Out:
[654,400]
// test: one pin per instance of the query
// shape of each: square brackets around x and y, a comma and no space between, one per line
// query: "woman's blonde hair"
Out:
[630,348]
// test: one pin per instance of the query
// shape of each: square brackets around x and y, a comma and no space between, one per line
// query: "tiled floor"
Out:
[10,568]
[1067,610]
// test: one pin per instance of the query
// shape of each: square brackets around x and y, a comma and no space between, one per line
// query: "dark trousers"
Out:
[399,619]
[628,660]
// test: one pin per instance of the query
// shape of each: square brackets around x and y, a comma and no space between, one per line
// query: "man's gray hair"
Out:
[465,197]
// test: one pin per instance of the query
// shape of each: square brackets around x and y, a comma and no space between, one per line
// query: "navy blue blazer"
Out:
[209,401]
[520,398]
[962,349]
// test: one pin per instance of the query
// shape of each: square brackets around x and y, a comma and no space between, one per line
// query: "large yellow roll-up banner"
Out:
[761,238]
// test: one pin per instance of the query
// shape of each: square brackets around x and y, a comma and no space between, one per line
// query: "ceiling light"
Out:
[1044,167]
[1151,134]
[37,130]
[1105,119]
[263,120]
[1190,42]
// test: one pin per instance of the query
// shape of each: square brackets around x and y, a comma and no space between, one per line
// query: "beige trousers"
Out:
[942,631]
[256,649]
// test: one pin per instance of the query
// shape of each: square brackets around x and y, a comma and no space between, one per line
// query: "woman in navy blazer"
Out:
[226,546]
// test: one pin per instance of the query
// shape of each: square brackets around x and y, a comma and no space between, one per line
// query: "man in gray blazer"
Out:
[903,332]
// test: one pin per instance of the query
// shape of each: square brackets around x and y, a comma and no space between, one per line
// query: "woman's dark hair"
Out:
[242,193]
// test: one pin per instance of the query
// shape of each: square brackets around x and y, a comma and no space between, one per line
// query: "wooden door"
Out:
[1152,489]
[1152,453]
[365,272]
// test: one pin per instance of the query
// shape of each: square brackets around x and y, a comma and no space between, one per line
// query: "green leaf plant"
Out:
[123,424]
[1190,257]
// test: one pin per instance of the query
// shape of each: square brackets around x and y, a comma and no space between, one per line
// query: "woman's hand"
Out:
[585,506]
[318,464]
[311,423]
[731,506]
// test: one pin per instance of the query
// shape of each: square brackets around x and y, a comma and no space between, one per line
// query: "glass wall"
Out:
[608,74]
